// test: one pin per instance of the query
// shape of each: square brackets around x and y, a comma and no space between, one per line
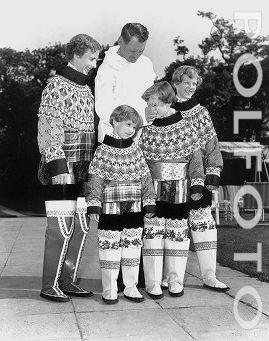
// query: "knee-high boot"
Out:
[204,234]
[60,219]
[109,256]
[176,247]
[153,253]
[74,252]
[131,242]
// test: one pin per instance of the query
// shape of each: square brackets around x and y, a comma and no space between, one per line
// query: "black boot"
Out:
[60,218]
[74,252]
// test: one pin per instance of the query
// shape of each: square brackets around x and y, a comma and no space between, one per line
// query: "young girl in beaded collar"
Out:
[120,191]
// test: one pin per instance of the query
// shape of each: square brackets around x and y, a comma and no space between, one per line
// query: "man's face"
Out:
[131,51]
[124,129]
[86,62]
[187,87]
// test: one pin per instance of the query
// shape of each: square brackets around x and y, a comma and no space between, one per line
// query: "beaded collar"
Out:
[117,143]
[73,75]
[185,106]
[166,121]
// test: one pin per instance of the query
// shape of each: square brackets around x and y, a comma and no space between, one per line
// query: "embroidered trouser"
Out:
[65,238]
[115,248]
[165,245]
[204,234]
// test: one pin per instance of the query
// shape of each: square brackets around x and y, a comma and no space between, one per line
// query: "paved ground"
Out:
[198,315]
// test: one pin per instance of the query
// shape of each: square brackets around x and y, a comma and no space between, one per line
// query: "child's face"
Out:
[160,107]
[124,129]
[187,87]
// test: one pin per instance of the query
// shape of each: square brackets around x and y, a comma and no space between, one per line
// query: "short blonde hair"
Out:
[188,70]
[125,113]
[163,90]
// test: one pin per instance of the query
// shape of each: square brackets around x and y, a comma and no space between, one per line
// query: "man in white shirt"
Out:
[124,76]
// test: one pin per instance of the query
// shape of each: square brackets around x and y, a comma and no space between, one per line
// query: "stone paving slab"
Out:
[155,322]
[204,320]
[39,327]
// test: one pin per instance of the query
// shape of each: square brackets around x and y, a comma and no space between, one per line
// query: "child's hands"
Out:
[196,196]
[94,217]
[149,215]
[211,187]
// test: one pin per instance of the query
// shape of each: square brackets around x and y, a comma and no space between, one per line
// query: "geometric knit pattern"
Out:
[120,176]
[65,113]
[119,164]
[178,140]
[152,252]
[205,245]
[107,264]
[176,253]
[130,261]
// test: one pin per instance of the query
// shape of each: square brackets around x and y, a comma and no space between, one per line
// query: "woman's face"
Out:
[187,87]
[160,107]
[86,62]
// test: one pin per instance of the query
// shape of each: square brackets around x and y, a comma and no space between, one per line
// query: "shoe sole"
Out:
[55,298]
[78,294]
[134,299]
[176,294]
[110,301]
[216,289]
[155,297]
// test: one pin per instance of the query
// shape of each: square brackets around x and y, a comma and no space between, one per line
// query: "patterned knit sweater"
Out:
[119,179]
[201,133]
[66,121]
[171,159]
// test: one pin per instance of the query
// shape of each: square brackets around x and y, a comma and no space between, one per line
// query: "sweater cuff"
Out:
[212,179]
[94,206]
[212,171]
[149,209]
[54,153]
[57,167]
[197,186]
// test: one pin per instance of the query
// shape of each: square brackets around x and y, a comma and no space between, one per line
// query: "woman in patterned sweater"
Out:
[119,189]
[66,141]
[201,133]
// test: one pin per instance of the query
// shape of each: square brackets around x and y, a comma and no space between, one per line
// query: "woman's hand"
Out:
[94,217]
[196,196]
[211,188]
[60,179]
[149,215]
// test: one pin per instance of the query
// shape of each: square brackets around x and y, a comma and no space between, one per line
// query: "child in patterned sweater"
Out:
[177,171]
[120,191]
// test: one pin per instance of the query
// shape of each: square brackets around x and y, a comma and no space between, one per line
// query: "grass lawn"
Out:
[233,239]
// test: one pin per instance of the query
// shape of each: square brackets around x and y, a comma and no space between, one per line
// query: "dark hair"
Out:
[80,44]
[125,113]
[190,71]
[163,90]
[134,30]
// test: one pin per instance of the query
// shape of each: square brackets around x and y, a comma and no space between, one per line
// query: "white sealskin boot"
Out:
[131,243]
[153,253]
[176,248]
[109,256]
[60,218]
[204,236]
